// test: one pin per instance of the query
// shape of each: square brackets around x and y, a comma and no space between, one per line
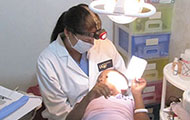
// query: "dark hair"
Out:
[78,19]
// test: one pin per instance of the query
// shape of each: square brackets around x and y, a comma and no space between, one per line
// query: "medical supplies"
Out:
[185,60]
[181,66]
[12,101]
[176,66]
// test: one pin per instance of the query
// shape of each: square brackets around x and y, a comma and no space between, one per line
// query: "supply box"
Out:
[145,46]
[158,23]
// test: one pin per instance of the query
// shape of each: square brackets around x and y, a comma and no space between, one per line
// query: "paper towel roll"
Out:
[186,100]
[187,54]
[187,51]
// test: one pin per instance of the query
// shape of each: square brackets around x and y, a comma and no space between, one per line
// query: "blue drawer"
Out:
[150,46]
[123,38]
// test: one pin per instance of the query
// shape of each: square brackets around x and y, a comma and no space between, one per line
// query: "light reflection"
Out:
[118,80]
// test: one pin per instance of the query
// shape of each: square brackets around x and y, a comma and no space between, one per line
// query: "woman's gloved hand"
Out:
[100,89]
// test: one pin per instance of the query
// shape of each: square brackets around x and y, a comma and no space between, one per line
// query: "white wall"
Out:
[25,29]
[180,39]
[26,26]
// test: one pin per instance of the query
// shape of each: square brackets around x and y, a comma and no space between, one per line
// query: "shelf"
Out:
[175,79]
[163,115]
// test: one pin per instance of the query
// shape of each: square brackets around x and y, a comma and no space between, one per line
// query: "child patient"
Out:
[116,81]
[121,105]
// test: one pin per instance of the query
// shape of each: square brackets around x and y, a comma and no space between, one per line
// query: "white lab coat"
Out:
[63,83]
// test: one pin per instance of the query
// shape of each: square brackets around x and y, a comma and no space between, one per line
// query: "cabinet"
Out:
[175,81]
[148,38]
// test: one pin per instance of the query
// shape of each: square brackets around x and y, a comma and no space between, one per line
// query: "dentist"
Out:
[67,70]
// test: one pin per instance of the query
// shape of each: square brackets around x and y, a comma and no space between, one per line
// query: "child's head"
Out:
[116,81]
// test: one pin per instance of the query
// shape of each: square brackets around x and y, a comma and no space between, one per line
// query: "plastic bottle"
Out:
[175,64]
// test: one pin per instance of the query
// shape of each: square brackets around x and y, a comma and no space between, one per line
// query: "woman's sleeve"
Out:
[54,98]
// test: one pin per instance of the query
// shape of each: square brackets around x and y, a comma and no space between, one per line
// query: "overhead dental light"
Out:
[122,11]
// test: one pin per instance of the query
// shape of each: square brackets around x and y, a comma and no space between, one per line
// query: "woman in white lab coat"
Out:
[67,70]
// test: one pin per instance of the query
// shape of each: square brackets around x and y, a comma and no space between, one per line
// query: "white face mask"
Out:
[81,46]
